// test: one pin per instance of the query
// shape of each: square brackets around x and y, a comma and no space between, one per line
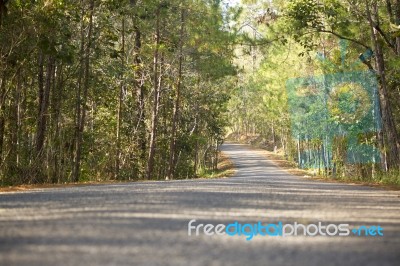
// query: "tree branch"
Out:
[388,42]
[345,38]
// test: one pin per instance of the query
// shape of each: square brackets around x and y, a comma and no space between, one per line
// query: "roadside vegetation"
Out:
[94,91]
[288,96]
[382,179]
[224,169]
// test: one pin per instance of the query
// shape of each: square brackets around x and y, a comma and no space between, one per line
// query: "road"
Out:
[146,223]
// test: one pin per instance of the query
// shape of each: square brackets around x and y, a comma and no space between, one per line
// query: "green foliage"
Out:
[97,66]
[300,38]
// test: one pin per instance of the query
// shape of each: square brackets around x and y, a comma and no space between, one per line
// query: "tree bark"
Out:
[56,102]
[2,113]
[14,119]
[82,102]
[387,116]
[140,129]
[175,116]
[397,22]
[119,111]
[44,99]
[156,99]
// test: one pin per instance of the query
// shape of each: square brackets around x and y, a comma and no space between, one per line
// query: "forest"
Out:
[111,90]
[320,85]
[149,89]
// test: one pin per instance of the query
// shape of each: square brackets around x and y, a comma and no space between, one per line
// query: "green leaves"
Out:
[305,13]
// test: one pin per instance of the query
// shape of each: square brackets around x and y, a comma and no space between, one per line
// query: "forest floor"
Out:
[225,169]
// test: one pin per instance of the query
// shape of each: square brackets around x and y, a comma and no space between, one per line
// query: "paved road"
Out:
[146,223]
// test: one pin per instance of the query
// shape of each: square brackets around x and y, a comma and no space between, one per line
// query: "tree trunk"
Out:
[119,112]
[154,117]
[82,102]
[140,96]
[387,116]
[14,119]
[2,113]
[397,22]
[175,116]
[44,99]
[57,142]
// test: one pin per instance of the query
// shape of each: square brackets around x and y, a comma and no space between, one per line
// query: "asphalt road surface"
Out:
[147,223]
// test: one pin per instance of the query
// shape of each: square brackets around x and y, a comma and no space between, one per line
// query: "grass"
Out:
[225,168]
[391,178]
[61,185]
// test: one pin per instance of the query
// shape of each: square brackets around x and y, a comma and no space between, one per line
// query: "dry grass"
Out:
[39,186]
[225,165]
[225,168]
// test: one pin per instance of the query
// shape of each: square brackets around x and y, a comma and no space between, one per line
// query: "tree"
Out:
[113,99]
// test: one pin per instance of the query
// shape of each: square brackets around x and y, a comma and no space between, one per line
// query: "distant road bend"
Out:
[146,223]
